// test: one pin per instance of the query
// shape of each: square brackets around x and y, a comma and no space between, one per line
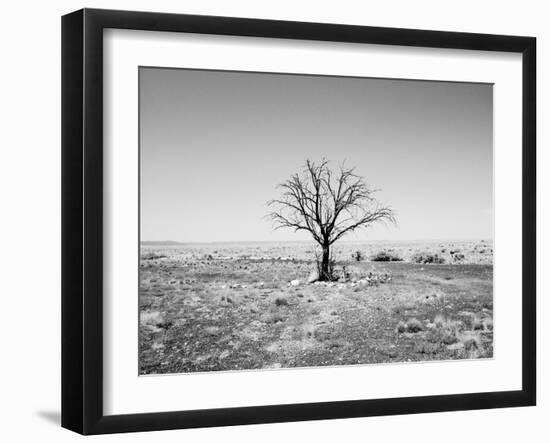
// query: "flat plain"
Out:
[249,306]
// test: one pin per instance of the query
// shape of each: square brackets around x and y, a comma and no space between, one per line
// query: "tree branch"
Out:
[316,201]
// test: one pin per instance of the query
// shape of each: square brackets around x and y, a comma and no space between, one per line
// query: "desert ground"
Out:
[248,306]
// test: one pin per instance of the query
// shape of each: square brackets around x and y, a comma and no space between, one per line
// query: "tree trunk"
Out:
[325,273]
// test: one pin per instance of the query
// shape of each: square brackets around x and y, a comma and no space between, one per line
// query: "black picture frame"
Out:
[82,218]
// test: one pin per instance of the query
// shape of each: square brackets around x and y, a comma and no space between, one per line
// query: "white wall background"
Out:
[30,220]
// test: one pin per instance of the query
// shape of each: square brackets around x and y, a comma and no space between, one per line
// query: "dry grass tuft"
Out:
[444,330]
[471,341]
[439,321]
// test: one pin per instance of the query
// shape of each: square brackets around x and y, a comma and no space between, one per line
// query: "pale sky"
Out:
[214,145]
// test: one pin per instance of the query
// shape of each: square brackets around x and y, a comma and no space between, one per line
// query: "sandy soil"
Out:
[227,306]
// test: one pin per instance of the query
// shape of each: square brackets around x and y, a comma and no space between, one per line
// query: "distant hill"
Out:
[161,243]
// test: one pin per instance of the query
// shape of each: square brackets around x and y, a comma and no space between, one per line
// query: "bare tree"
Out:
[327,205]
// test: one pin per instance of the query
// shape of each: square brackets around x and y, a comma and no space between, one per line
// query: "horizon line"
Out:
[177,242]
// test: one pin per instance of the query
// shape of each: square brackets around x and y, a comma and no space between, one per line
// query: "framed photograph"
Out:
[268,221]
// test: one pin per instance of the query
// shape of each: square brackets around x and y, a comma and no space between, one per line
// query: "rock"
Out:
[313,276]
[212,330]
[295,282]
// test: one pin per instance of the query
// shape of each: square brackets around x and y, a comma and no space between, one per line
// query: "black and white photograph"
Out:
[281,221]
[294,221]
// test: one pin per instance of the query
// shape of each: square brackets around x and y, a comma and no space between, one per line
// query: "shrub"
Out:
[281,301]
[458,257]
[274,319]
[427,348]
[386,256]
[426,258]
[357,256]
[477,324]
[401,327]
[152,256]
[412,325]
